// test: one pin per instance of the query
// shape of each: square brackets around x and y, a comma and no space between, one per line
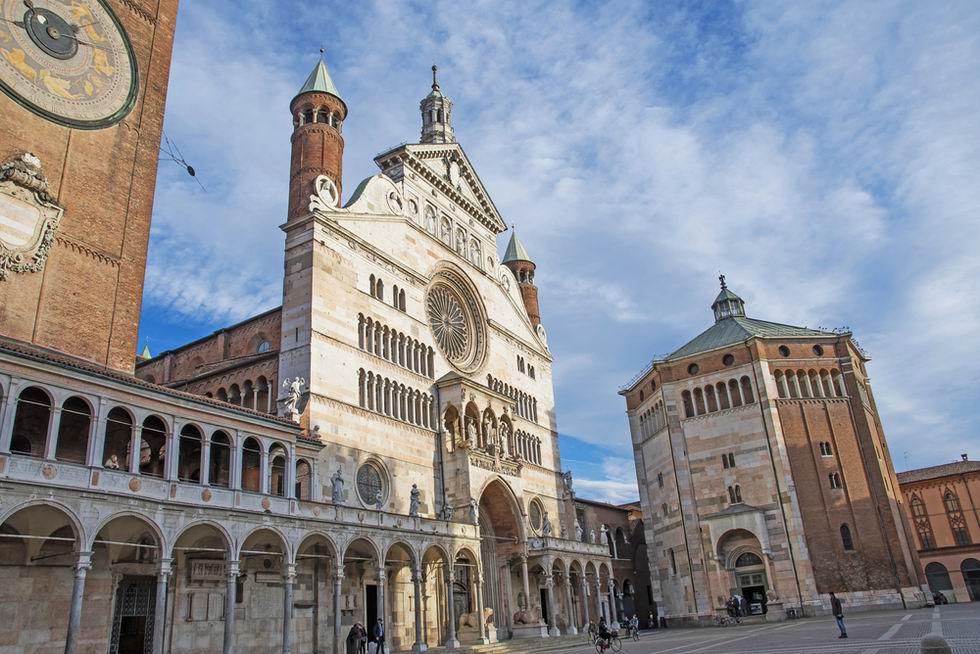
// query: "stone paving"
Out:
[891,632]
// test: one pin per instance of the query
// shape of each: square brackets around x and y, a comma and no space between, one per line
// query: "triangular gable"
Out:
[461,185]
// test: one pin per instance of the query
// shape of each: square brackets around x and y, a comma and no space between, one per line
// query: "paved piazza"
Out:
[887,632]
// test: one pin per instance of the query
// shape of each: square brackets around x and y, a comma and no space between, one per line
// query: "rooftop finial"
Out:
[435,84]
[321,53]
[721,278]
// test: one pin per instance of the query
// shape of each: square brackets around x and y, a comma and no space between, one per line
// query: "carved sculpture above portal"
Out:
[29,216]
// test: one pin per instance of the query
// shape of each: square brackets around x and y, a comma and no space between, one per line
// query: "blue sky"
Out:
[824,156]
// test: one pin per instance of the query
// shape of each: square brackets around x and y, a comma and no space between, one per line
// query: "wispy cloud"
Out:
[824,157]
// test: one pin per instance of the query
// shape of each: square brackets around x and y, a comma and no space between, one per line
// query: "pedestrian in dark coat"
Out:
[838,611]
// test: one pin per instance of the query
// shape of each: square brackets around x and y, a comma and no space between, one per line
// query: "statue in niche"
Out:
[379,502]
[337,487]
[546,527]
[470,432]
[603,534]
[578,531]
[414,502]
[474,512]
[447,512]
[592,536]
[294,389]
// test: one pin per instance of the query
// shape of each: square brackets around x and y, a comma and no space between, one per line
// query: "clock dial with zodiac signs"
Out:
[67,60]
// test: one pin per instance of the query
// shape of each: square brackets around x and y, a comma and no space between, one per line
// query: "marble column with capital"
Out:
[527,585]
[381,608]
[338,582]
[613,613]
[83,563]
[549,585]
[160,607]
[419,645]
[585,603]
[598,597]
[570,627]
[451,641]
[288,583]
[478,589]
[228,646]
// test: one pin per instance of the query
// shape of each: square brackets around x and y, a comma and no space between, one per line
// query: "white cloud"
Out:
[824,157]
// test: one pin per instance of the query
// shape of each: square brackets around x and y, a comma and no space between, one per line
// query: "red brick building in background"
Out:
[941,503]
[625,536]
[764,471]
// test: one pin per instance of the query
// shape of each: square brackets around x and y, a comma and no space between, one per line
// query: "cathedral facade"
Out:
[383,446]
[764,473]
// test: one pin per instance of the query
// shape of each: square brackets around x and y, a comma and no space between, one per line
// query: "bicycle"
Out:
[613,643]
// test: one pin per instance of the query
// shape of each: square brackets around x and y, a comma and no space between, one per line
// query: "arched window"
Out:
[321,116]
[826,449]
[780,383]
[735,494]
[747,396]
[660,479]
[117,440]
[699,401]
[153,447]
[401,299]
[219,466]
[277,470]
[688,404]
[251,466]
[76,422]
[189,454]
[938,577]
[722,396]
[664,509]
[31,422]
[709,396]
[304,480]
[379,289]
[845,538]
[957,523]
[735,393]
[748,560]
[307,116]
[835,481]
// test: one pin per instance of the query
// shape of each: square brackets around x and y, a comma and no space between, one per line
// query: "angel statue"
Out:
[294,389]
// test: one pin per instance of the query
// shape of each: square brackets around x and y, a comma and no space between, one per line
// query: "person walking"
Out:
[379,636]
[362,638]
[838,611]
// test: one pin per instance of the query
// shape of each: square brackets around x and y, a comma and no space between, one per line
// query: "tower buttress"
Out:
[318,148]
[519,261]
[437,114]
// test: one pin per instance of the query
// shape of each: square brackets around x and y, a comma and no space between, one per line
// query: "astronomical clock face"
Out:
[67,60]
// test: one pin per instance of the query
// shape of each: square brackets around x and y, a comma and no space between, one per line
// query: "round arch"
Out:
[207,527]
[153,527]
[47,506]
[265,535]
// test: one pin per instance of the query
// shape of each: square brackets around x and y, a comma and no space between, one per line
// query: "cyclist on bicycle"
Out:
[634,624]
[593,631]
[603,630]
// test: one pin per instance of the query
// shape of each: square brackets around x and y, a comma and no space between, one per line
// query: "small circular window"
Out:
[818,350]
[534,515]
[370,484]
[783,351]
[693,369]
[728,359]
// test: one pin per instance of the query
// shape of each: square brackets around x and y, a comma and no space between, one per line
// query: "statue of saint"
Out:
[447,512]
[578,531]
[337,487]
[592,536]
[474,512]
[603,534]
[546,527]
[378,502]
[294,389]
[413,504]
[471,432]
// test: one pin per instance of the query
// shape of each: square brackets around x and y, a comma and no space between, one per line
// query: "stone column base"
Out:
[529,631]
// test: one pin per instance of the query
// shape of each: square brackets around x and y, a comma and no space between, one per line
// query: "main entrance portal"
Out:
[132,621]
[501,544]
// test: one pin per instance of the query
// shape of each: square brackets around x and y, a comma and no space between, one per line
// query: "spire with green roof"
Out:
[727,304]
[319,81]
[515,249]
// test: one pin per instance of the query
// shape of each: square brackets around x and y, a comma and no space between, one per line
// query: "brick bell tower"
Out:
[318,147]
[519,261]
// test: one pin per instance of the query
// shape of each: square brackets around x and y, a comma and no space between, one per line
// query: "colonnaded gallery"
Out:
[384,444]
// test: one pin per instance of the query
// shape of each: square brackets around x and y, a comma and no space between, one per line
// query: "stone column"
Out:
[338,581]
[83,562]
[613,613]
[96,439]
[549,585]
[419,645]
[451,641]
[478,588]
[160,608]
[7,407]
[135,440]
[51,443]
[229,642]
[170,463]
[264,470]
[571,609]
[381,606]
[527,586]
[598,597]
[235,461]
[288,579]
[290,473]
[585,603]
[206,461]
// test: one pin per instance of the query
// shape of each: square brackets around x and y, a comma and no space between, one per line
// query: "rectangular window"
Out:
[961,536]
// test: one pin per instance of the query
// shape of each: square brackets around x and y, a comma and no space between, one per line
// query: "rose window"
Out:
[448,322]
[456,319]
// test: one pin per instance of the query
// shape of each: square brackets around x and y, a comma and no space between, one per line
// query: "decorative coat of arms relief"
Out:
[29,215]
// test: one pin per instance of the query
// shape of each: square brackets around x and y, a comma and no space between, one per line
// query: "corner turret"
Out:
[519,261]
